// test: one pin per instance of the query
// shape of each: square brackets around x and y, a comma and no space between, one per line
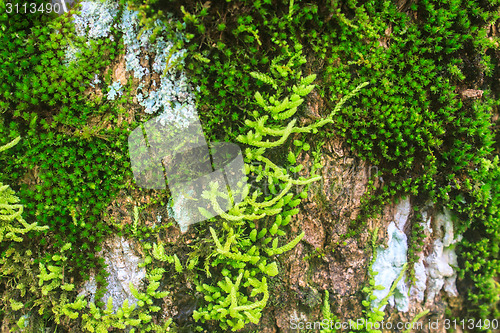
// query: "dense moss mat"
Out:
[71,159]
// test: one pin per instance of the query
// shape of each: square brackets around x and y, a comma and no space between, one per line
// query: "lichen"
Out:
[122,264]
[389,264]
[437,271]
[129,27]
[173,99]
[95,19]
[442,261]
[114,90]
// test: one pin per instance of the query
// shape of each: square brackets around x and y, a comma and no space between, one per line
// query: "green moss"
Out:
[426,140]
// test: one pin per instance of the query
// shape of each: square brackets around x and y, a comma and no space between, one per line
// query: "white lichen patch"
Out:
[129,27]
[390,261]
[418,289]
[173,99]
[433,273]
[437,271]
[94,20]
[426,223]
[445,223]
[114,90]
[123,267]
[442,261]
[95,81]
[389,264]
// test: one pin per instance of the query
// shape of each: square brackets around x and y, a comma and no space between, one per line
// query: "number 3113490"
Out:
[32,8]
